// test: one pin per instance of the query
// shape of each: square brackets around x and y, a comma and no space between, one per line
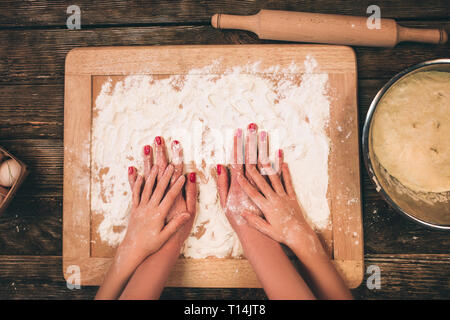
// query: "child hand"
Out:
[161,161]
[147,230]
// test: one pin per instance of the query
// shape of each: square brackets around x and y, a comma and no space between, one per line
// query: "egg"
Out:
[9,172]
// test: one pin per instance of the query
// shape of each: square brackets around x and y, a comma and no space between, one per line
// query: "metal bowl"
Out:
[429,209]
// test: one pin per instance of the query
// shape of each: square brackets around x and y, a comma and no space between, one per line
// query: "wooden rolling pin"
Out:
[326,28]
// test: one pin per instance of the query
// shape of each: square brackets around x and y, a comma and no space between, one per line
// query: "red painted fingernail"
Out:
[147,150]
[192,176]
[280,153]
[176,142]
[252,127]
[219,169]
[239,132]
[158,140]
[130,170]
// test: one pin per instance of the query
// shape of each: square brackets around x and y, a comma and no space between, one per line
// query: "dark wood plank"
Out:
[31,122]
[408,277]
[32,226]
[37,56]
[402,277]
[44,157]
[31,111]
[387,231]
[53,13]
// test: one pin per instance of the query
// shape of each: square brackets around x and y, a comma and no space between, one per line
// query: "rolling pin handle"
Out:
[215,20]
[435,36]
[229,21]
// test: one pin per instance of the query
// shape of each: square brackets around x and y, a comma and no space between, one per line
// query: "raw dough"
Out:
[411,131]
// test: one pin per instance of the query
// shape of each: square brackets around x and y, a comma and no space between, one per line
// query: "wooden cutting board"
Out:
[88,68]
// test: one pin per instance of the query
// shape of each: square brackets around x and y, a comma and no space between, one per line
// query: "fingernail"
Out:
[130,170]
[252,127]
[239,133]
[147,150]
[219,169]
[158,140]
[192,177]
[176,142]
[280,153]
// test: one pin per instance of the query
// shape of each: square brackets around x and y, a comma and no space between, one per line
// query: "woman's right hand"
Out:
[284,218]
[273,268]
[232,198]
[271,208]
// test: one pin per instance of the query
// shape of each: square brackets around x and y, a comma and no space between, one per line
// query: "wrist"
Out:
[304,242]
[181,235]
[126,257]
[308,249]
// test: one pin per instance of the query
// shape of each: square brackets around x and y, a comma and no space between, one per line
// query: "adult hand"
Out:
[232,197]
[284,218]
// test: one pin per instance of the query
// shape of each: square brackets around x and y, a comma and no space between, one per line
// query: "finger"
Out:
[261,183]
[148,160]
[251,148]
[132,176]
[275,178]
[261,225]
[251,144]
[222,184]
[251,191]
[289,186]
[160,155]
[279,161]
[149,183]
[191,193]
[137,191]
[161,186]
[171,195]
[263,149]
[173,226]
[238,156]
[263,155]
[177,160]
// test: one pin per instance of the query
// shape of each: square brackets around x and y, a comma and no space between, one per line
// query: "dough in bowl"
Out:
[411,131]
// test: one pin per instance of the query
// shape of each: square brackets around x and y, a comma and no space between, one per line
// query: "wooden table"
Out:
[34,40]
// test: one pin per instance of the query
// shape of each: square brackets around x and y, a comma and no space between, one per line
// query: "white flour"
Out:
[202,110]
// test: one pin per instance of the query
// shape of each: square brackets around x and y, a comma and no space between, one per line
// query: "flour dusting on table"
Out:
[202,109]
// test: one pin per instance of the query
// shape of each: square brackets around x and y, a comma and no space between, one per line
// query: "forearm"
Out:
[325,279]
[150,277]
[278,276]
[117,277]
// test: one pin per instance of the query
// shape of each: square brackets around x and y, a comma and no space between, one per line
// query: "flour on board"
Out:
[202,109]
